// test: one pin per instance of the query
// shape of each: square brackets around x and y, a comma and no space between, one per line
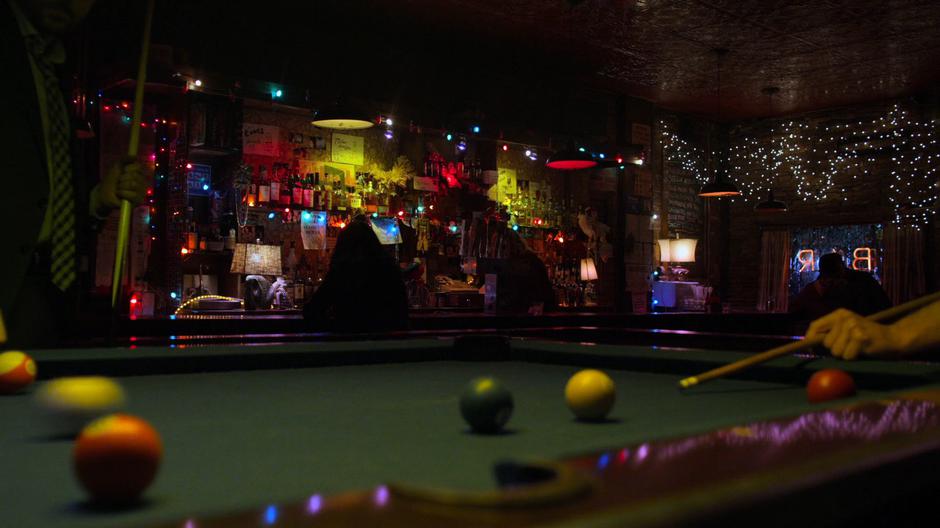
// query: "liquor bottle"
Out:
[317,192]
[308,191]
[286,191]
[355,199]
[327,193]
[297,191]
[275,186]
[264,187]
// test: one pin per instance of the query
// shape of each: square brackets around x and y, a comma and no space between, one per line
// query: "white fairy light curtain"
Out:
[819,160]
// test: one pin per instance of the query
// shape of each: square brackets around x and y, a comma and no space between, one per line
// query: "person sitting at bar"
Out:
[848,335]
[363,291]
[48,209]
[524,284]
[839,287]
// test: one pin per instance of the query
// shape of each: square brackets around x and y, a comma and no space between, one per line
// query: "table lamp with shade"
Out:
[257,262]
[677,251]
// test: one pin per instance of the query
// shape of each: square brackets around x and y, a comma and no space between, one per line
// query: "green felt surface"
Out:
[237,440]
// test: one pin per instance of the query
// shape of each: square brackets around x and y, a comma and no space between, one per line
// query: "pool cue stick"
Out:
[791,348]
[124,224]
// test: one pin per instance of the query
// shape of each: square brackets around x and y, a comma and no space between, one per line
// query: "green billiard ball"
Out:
[486,405]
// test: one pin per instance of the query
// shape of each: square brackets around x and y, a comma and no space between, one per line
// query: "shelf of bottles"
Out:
[289,193]
[534,208]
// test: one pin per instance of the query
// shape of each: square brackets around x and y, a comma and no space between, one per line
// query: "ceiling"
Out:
[819,53]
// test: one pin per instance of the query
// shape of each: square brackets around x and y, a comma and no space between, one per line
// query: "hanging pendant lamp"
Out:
[771,205]
[570,158]
[718,187]
[342,117]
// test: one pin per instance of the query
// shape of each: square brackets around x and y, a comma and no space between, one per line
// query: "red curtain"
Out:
[773,290]
[902,272]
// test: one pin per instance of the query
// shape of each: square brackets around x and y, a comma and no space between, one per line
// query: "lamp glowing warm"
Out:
[682,250]
[588,270]
[256,259]
[664,249]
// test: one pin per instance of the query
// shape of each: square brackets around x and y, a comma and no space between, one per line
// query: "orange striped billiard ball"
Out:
[116,457]
[17,371]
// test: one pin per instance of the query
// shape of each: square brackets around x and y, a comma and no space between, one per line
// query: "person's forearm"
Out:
[918,331]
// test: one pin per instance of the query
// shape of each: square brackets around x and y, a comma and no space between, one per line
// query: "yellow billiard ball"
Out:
[70,403]
[17,371]
[590,395]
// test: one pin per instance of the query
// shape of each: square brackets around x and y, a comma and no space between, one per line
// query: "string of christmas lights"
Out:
[823,159]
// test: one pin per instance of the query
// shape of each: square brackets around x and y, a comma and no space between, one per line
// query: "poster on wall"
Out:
[199,179]
[261,140]
[339,171]
[313,230]
[505,186]
[348,149]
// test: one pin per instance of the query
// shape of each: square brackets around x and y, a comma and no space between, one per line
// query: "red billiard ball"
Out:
[829,384]
[116,457]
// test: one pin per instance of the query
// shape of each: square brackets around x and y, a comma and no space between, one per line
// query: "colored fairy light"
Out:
[198,82]
[189,166]
[505,147]
[375,215]
[271,215]
[389,134]
[401,213]
[277,93]
[449,136]
[205,187]
[172,295]
[476,129]
[420,209]
[462,144]
[388,121]
[380,497]
[515,227]
[314,504]
[601,155]
[184,251]
[270,514]
[581,149]
[453,229]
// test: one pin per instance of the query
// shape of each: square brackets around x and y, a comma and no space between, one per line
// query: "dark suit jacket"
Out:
[23,170]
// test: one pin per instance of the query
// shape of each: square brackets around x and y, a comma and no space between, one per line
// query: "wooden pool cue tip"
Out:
[797,346]
[124,223]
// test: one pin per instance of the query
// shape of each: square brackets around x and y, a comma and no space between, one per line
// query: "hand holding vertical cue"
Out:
[791,348]
[124,224]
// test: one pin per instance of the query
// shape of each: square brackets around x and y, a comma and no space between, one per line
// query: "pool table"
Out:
[368,433]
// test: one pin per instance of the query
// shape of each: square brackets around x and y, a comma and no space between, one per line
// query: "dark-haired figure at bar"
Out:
[47,210]
[839,287]
[849,336]
[363,291]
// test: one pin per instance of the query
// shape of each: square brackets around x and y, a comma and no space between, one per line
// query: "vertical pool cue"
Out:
[124,224]
[792,348]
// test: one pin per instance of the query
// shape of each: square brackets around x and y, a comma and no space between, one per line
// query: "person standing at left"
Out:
[47,210]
